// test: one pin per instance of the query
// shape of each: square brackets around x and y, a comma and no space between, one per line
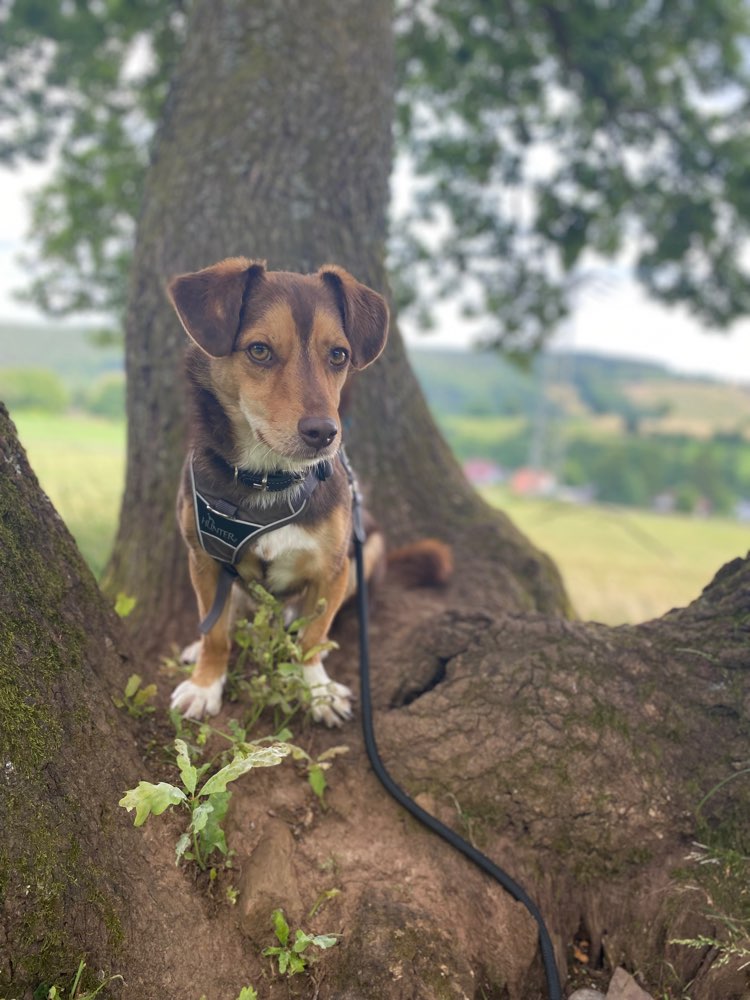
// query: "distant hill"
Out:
[581,385]
[69,351]
[467,383]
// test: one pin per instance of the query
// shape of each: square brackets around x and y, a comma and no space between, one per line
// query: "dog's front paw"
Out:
[194,701]
[331,702]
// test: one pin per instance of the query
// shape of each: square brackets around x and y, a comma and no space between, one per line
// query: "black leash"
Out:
[554,990]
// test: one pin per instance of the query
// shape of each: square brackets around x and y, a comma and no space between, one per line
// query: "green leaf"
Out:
[301,942]
[280,926]
[247,993]
[242,763]
[188,773]
[148,798]
[134,682]
[317,778]
[284,957]
[322,647]
[296,964]
[212,835]
[124,605]
[182,845]
[325,940]
[200,816]
[144,696]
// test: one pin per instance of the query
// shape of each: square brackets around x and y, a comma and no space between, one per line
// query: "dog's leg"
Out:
[201,695]
[331,702]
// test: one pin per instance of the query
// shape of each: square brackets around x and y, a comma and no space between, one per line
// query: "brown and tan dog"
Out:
[269,354]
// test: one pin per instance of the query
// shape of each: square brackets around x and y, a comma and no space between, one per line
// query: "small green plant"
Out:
[325,897]
[295,957]
[247,993]
[316,767]
[735,948]
[279,685]
[137,700]
[723,876]
[56,993]
[277,654]
[721,872]
[207,805]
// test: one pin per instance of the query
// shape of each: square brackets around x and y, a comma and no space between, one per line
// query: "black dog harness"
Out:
[225,530]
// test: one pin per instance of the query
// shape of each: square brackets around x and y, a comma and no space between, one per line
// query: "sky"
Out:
[614,317]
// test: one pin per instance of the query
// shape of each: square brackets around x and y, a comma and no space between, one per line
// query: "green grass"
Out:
[619,565]
[625,565]
[80,463]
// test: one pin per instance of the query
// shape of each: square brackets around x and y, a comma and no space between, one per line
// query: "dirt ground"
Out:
[415,919]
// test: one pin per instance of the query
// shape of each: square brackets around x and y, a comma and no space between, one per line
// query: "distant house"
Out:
[482,472]
[664,503]
[530,482]
[576,494]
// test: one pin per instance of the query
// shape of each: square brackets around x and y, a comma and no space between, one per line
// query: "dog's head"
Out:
[278,347]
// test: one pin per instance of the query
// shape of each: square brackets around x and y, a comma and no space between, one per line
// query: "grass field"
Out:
[626,565]
[80,462]
[619,565]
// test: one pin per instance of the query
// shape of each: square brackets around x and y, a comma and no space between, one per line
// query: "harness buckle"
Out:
[262,486]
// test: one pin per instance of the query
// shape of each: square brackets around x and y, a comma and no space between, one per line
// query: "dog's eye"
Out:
[259,352]
[339,356]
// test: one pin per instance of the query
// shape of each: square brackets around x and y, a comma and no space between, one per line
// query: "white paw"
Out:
[194,701]
[331,702]
[190,653]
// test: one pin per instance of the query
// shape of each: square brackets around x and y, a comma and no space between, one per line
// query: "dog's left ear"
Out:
[364,314]
[209,302]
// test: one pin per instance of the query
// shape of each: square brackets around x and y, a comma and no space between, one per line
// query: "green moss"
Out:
[606,717]
[43,639]
[41,879]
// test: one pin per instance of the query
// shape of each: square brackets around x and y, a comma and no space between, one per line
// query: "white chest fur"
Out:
[281,550]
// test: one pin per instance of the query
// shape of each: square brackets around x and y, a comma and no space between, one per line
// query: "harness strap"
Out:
[225,531]
[227,576]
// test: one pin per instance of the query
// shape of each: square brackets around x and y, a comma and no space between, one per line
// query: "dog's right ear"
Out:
[209,302]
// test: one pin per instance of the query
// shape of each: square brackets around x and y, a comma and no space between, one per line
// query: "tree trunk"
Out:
[76,879]
[276,143]
[580,755]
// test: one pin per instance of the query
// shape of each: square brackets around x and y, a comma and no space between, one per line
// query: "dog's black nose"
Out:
[318,432]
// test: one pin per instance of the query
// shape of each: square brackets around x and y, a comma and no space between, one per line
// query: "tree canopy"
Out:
[544,138]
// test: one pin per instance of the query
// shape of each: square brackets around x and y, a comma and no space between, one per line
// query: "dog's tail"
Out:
[426,563]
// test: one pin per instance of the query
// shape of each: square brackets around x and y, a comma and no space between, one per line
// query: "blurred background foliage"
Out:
[540,138]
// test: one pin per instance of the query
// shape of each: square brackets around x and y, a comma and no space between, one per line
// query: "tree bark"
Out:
[276,143]
[76,879]
[581,755]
